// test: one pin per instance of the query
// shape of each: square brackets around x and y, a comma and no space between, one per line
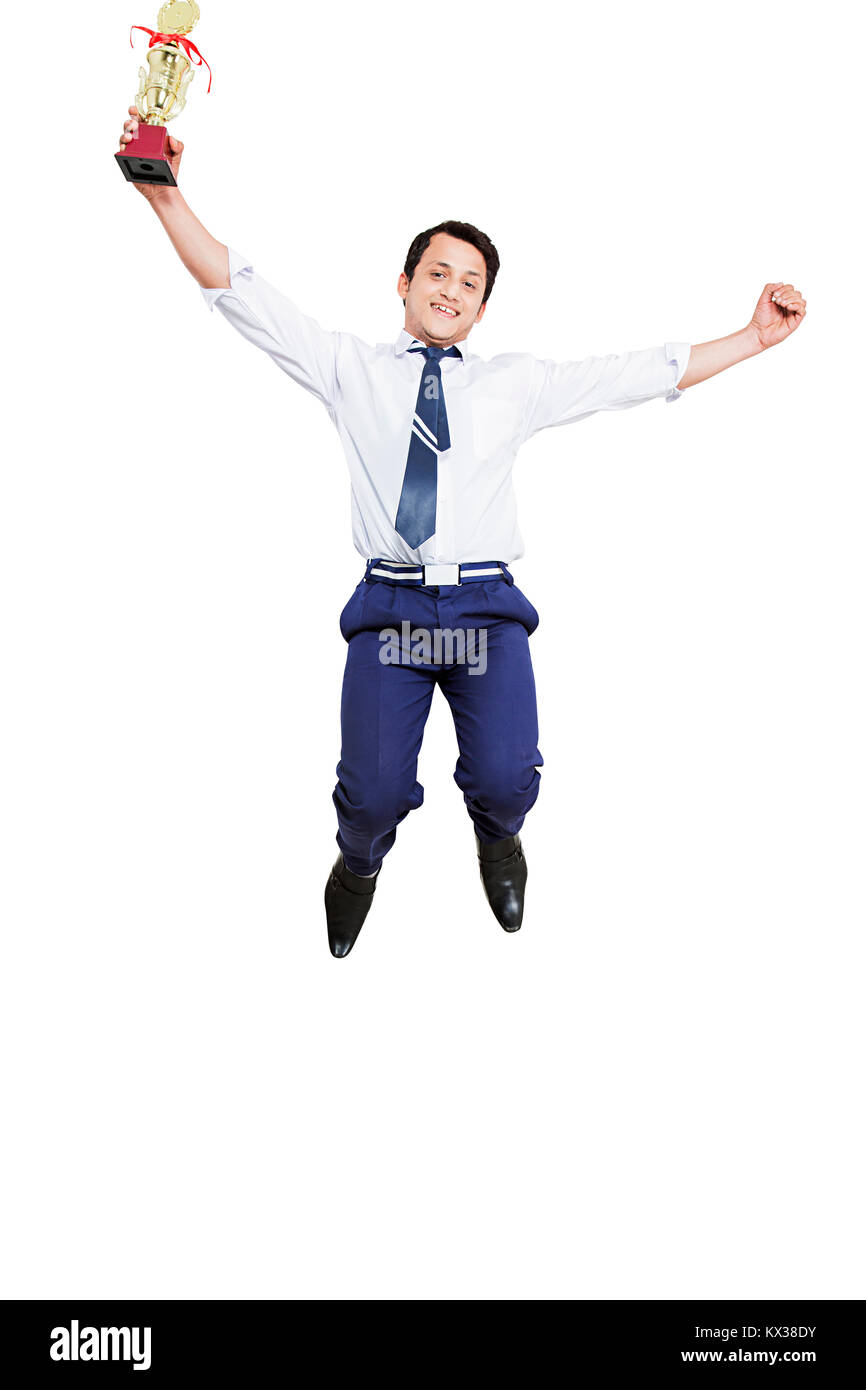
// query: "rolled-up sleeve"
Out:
[298,344]
[562,392]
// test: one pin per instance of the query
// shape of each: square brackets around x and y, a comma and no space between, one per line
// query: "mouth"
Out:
[444,311]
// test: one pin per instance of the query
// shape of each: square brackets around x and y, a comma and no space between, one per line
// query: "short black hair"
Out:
[464,231]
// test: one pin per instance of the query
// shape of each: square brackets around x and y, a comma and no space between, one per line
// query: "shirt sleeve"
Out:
[562,392]
[299,345]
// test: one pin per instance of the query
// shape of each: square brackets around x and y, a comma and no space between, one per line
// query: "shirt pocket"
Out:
[495,425]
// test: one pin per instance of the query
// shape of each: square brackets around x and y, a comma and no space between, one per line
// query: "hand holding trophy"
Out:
[147,155]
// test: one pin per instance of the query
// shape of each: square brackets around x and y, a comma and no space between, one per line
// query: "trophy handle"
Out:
[184,86]
[180,99]
[139,96]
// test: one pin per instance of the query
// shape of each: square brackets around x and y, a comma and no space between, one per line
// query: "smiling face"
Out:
[443,298]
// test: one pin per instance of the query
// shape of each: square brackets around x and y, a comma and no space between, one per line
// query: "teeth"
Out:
[443,310]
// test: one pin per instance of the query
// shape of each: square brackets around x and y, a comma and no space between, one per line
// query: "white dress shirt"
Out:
[493,407]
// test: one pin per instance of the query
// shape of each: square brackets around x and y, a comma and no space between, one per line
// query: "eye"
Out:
[435,272]
[469,285]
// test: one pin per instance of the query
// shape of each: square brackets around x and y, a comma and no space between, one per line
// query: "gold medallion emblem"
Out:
[178,17]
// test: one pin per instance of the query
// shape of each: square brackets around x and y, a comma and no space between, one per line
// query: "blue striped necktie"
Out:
[416,514]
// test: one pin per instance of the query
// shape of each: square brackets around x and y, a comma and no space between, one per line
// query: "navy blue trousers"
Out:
[385,704]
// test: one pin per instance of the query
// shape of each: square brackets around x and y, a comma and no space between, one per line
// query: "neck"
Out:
[424,338]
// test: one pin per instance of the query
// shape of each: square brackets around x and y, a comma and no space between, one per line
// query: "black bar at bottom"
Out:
[244,1340]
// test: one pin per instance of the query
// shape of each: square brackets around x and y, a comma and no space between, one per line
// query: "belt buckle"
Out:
[441,574]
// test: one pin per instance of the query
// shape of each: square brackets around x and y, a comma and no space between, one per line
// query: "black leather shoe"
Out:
[503,873]
[347,902]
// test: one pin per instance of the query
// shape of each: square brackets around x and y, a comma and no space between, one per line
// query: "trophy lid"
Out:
[178,16]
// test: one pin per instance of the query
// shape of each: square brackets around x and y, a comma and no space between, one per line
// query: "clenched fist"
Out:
[778,312]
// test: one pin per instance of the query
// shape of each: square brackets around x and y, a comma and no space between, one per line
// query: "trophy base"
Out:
[145,158]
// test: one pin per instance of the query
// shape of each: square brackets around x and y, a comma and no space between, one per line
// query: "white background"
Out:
[654,1090]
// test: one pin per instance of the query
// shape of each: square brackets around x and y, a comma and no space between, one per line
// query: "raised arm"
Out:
[206,259]
[561,392]
[296,343]
[778,312]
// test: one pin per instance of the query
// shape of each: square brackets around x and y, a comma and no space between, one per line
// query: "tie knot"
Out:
[435,354]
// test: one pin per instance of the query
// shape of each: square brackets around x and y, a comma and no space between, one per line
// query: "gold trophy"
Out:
[161,94]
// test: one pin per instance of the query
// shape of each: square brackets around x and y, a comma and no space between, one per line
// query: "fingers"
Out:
[788,298]
[130,127]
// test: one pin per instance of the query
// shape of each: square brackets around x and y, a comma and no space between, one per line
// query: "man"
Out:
[430,432]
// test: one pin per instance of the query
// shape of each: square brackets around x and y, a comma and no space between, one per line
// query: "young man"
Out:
[430,432]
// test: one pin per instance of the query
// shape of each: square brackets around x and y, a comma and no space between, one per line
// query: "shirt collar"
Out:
[405,340]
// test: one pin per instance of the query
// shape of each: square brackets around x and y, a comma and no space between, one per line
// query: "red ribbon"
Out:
[184,42]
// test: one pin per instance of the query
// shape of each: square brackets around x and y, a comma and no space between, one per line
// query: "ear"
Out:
[480,315]
[402,285]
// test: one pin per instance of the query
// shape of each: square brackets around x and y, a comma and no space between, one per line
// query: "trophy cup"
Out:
[161,92]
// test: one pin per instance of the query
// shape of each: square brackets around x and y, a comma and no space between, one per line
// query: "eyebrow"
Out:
[448,265]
